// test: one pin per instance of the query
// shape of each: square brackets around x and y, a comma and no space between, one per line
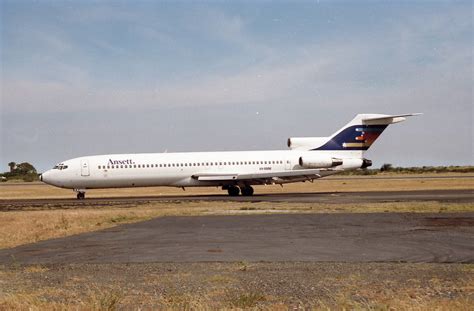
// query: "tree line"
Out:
[20,171]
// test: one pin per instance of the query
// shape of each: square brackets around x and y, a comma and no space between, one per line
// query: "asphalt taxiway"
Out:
[339,237]
[375,237]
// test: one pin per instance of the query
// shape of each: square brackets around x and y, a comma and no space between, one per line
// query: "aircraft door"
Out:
[287,164]
[85,168]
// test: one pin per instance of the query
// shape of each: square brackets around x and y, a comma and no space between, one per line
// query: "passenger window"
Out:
[99,167]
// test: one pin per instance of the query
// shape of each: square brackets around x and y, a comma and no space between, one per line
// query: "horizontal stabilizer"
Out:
[387,119]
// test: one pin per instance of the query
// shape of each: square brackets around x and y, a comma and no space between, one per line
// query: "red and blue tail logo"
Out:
[356,137]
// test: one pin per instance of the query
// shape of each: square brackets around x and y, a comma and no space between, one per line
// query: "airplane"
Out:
[307,159]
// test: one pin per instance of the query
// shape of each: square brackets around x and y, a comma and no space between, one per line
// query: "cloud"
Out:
[219,60]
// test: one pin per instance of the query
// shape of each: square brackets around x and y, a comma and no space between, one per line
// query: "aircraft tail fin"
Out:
[357,135]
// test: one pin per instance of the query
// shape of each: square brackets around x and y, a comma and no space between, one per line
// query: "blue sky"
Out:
[94,77]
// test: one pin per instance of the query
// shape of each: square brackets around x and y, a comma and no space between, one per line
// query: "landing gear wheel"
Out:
[247,191]
[233,191]
[81,195]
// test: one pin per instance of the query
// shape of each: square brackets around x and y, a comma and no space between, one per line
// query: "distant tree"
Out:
[25,168]
[12,166]
[24,171]
[386,167]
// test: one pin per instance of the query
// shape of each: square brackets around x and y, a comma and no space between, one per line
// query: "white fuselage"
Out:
[236,171]
[177,169]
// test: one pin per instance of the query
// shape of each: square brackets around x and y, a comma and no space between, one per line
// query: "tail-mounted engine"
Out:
[319,162]
[313,161]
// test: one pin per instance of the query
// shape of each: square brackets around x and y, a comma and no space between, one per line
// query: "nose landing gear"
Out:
[81,194]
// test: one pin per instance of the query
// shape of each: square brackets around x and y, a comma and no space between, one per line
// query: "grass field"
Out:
[238,286]
[231,286]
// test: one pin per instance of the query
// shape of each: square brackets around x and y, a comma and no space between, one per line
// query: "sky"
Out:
[100,77]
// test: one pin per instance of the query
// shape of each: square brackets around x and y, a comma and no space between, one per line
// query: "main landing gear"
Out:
[235,191]
[247,191]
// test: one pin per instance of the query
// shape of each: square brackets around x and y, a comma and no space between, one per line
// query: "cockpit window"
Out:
[60,167]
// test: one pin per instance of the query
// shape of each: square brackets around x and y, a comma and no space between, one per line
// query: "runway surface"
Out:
[454,196]
[382,237]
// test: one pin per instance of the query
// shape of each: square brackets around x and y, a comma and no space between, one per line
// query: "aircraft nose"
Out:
[45,177]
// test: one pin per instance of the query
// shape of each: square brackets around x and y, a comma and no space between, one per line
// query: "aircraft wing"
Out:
[262,178]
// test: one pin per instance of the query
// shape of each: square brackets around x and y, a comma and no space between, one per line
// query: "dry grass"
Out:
[317,286]
[22,227]
[329,184]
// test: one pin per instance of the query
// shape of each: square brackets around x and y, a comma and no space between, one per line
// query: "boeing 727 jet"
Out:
[307,159]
